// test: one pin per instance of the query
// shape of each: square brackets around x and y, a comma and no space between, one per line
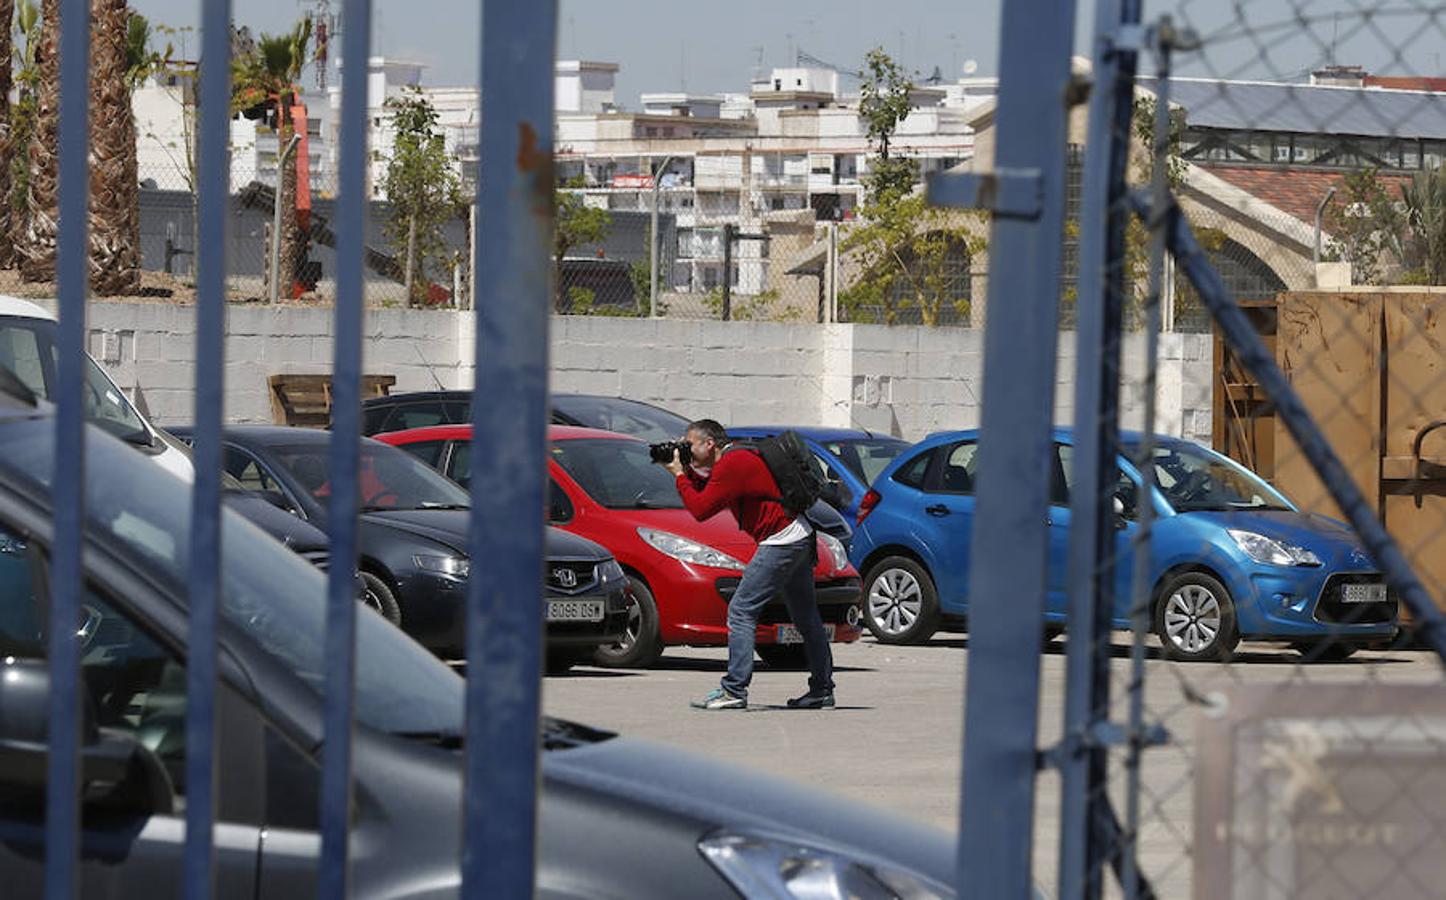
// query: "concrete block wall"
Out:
[906,381]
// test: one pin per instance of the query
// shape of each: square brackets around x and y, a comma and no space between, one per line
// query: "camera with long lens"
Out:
[663,452]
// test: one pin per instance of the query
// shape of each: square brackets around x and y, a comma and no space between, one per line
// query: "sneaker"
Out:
[812,700]
[719,699]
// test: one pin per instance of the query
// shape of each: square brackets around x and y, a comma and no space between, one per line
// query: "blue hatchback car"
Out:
[1231,557]
[849,458]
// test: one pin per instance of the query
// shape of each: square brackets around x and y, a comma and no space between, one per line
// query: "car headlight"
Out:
[684,550]
[764,867]
[451,566]
[836,551]
[1263,549]
[610,571]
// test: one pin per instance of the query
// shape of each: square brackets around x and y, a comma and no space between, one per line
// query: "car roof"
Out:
[464,432]
[14,306]
[267,435]
[813,432]
[1064,434]
[410,396]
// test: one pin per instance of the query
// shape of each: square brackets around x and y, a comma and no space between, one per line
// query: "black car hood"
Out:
[449,527]
[297,534]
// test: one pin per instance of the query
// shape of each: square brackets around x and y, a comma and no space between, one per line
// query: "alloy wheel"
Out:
[895,601]
[1193,618]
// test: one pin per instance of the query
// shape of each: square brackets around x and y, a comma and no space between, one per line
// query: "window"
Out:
[957,474]
[912,472]
[135,686]
[417,415]
[459,467]
[20,353]
[429,452]
[248,471]
[559,507]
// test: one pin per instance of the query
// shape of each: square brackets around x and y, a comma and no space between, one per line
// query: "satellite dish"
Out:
[971,66]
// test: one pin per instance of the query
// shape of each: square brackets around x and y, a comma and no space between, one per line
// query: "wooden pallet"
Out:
[305,400]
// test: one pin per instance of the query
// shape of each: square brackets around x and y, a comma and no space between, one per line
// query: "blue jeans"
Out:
[775,569]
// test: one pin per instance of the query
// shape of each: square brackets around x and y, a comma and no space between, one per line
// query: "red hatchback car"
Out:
[605,488]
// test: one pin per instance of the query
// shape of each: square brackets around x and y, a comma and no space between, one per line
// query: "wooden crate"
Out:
[305,400]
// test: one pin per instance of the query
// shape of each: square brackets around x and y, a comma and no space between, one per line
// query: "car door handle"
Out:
[938,509]
[1048,522]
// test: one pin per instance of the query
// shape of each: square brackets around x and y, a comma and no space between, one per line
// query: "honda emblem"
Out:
[565,577]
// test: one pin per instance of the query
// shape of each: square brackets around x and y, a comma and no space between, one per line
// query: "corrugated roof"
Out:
[1304,108]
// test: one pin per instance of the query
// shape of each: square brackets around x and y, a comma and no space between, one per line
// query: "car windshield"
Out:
[617,474]
[1193,479]
[268,594]
[27,348]
[624,416]
[391,479]
[866,458]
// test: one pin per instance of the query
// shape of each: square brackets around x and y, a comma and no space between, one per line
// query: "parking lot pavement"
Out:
[893,742]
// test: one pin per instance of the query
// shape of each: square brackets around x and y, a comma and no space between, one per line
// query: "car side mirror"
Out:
[115,770]
[1121,518]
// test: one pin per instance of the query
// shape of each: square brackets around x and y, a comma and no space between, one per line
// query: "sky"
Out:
[715,47]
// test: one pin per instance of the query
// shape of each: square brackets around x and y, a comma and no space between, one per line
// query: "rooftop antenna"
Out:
[323,27]
[758,62]
[1335,30]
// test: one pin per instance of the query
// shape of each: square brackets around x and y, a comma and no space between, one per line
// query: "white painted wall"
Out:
[907,381]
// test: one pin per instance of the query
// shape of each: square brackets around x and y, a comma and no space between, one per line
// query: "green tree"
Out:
[1366,227]
[909,254]
[576,225]
[1425,218]
[264,84]
[883,104]
[423,190]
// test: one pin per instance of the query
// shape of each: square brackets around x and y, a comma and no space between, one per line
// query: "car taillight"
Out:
[866,505]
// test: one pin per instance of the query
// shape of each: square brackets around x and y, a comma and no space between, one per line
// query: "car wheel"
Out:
[1324,651]
[901,605]
[791,657]
[1195,619]
[640,646]
[377,595]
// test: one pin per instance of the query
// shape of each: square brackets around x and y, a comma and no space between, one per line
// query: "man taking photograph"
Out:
[716,479]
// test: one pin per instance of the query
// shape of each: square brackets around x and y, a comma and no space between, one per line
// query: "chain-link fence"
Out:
[1276,723]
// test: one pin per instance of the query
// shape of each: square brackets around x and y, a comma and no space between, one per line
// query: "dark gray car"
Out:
[619,818]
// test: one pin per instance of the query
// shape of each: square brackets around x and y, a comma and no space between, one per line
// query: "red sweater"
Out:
[739,482]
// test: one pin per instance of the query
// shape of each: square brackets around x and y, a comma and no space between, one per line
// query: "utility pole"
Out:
[653,243]
[728,231]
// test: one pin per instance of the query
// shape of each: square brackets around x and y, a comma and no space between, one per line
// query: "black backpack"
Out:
[791,465]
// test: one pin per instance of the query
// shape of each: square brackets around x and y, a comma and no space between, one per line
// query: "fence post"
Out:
[1097,387]
[213,139]
[344,455]
[509,413]
[62,799]
[1007,585]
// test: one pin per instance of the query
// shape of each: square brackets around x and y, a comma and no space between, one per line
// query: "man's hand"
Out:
[676,466]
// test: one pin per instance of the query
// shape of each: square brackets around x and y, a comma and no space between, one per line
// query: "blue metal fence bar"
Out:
[1083,844]
[212,145]
[509,416]
[345,451]
[1010,546]
[1248,347]
[62,801]
[1140,587]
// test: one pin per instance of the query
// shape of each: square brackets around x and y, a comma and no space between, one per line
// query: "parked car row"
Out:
[617,817]
[1231,558]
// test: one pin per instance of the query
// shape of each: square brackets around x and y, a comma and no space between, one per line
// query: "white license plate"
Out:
[574,610]
[789,634]
[1363,593]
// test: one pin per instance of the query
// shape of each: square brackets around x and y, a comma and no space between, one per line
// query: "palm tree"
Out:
[21,127]
[115,222]
[7,17]
[263,82]
[37,244]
